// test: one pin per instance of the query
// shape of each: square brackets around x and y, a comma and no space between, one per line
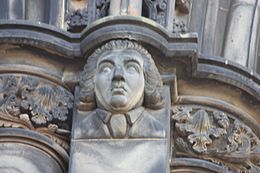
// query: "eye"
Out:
[132,67]
[105,67]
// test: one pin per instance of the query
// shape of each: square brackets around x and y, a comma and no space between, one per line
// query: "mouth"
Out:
[118,91]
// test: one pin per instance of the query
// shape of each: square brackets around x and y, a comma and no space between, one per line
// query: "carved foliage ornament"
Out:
[77,19]
[102,8]
[30,103]
[199,130]
[216,136]
[179,26]
[157,10]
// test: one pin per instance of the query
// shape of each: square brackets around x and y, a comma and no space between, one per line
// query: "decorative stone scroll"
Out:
[216,136]
[32,103]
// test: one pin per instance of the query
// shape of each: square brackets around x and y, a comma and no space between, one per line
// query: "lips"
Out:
[118,91]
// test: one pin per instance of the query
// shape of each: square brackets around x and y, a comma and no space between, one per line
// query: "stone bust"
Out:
[119,82]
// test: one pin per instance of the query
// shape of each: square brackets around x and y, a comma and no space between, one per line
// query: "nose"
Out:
[118,74]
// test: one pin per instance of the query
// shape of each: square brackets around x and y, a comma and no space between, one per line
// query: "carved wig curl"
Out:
[153,82]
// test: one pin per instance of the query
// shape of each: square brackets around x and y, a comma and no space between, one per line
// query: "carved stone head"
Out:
[120,76]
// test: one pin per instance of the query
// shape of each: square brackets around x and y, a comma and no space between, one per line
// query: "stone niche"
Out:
[127,86]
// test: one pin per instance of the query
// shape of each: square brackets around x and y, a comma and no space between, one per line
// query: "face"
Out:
[119,82]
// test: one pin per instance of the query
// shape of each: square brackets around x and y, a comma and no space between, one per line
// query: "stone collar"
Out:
[131,116]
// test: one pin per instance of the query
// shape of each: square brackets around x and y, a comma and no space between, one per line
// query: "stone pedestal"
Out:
[128,155]
[117,156]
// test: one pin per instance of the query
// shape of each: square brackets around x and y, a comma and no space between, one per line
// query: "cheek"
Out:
[99,83]
[102,77]
[102,82]
[136,82]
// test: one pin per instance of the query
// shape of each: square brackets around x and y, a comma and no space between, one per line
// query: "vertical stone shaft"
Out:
[239,31]
[125,7]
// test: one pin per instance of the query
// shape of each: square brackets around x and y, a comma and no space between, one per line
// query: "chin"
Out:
[119,103]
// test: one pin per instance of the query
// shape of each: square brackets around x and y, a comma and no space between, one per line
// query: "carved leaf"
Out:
[217,132]
[102,8]
[47,103]
[60,113]
[243,143]
[179,26]
[181,114]
[77,18]
[217,136]
[39,119]
[181,128]
[222,119]
[199,141]
[11,105]
[200,122]
[197,127]
[52,127]
[25,118]
[181,144]
[28,102]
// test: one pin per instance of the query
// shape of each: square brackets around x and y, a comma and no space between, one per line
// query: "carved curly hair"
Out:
[153,82]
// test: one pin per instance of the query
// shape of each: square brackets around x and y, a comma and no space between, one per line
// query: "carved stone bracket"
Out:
[32,103]
[216,136]
[77,20]
[179,26]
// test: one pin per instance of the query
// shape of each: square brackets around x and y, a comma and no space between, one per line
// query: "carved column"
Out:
[43,11]
[241,20]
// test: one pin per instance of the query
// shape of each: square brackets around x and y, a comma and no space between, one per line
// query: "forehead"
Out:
[121,55]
